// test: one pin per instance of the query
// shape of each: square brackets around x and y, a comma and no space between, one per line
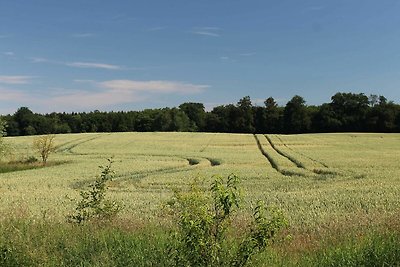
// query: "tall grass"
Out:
[24,242]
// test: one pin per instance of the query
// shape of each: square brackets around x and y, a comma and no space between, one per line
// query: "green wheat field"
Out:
[323,183]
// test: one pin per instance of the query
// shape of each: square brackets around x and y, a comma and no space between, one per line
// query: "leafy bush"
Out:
[204,218]
[4,148]
[93,204]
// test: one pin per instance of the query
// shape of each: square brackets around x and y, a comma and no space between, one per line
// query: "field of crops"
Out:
[316,179]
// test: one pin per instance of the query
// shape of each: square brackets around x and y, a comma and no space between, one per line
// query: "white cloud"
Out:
[9,53]
[154,29]
[206,33]
[15,79]
[93,65]
[38,59]
[153,86]
[224,58]
[116,92]
[209,28]
[89,99]
[101,95]
[11,95]
[84,81]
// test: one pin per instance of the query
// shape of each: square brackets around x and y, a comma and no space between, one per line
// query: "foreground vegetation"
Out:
[27,243]
[339,193]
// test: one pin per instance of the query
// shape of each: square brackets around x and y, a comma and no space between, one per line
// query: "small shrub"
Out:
[4,148]
[44,145]
[31,159]
[193,161]
[204,218]
[93,204]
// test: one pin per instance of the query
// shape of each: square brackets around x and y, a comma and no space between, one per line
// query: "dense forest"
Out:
[347,112]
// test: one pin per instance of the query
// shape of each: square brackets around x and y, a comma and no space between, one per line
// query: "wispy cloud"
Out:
[84,81]
[94,65]
[207,31]
[210,28]
[90,99]
[114,92]
[154,29]
[78,64]
[2,36]
[224,58]
[15,79]
[121,18]
[39,59]
[11,95]
[83,35]
[103,94]
[9,53]
[153,86]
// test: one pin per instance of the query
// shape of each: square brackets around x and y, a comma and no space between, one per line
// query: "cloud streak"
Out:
[11,95]
[101,95]
[207,31]
[82,35]
[78,64]
[114,92]
[153,86]
[18,79]
[94,65]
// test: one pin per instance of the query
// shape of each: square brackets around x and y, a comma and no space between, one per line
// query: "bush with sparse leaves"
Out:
[44,145]
[93,203]
[204,218]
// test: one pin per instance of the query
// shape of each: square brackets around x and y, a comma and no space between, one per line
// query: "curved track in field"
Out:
[69,148]
[283,154]
[302,154]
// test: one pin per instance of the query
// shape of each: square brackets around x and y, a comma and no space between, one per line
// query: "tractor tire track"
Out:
[283,154]
[266,155]
[302,154]
[68,149]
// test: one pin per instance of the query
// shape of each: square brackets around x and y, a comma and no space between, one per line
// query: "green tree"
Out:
[351,109]
[25,119]
[296,116]
[245,119]
[196,114]
[273,115]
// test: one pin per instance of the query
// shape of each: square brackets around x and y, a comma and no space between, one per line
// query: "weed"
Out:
[205,217]
[93,204]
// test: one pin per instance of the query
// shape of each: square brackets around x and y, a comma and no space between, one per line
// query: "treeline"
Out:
[347,112]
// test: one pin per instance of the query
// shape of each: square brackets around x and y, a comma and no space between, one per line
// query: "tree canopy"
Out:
[346,112]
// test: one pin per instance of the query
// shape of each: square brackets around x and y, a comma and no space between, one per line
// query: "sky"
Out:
[130,55]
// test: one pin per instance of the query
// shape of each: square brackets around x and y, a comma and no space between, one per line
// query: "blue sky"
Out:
[130,55]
